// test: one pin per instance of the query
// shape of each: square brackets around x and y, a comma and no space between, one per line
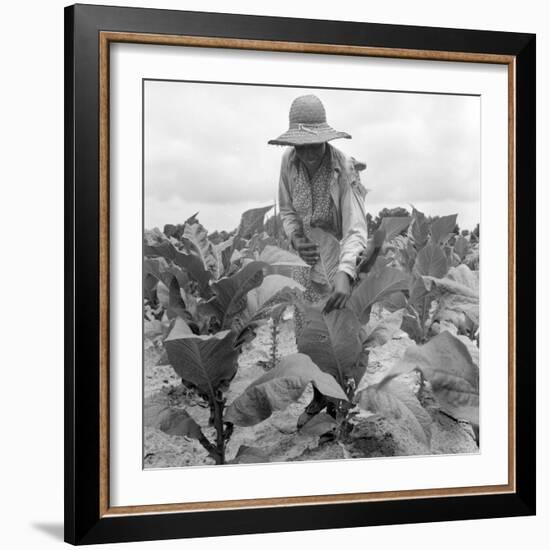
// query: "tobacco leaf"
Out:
[431,261]
[419,229]
[250,455]
[230,293]
[278,388]
[179,422]
[447,364]
[458,296]
[394,399]
[442,228]
[320,424]
[393,226]
[207,362]
[323,272]
[383,331]
[190,262]
[375,287]
[462,247]
[252,221]
[332,341]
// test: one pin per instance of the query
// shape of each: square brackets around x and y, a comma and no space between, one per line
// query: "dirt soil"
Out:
[277,437]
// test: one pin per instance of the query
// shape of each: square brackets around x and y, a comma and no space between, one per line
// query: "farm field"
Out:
[229,379]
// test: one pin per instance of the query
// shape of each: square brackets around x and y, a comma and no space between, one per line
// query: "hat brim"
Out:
[296,136]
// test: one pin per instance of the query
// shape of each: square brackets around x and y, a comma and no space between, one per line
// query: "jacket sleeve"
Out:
[291,221]
[354,227]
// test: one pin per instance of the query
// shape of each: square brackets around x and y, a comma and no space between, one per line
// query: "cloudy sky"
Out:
[206,149]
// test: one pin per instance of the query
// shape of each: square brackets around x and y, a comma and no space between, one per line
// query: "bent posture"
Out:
[318,188]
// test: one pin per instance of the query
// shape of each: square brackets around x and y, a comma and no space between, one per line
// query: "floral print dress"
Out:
[313,203]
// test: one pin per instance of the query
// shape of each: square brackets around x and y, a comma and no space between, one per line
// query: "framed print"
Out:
[299,274]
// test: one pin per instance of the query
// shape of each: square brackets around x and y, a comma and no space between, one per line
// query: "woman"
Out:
[318,188]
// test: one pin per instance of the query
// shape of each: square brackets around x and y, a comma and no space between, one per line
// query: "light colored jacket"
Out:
[348,200]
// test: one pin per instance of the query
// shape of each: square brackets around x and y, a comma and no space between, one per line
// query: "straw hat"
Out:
[307,124]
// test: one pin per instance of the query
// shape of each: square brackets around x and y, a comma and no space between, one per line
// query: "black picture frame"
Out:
[84,523]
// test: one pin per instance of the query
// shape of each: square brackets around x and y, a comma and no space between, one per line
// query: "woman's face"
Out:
[310,155]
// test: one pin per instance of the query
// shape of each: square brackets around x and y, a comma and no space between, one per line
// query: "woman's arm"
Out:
[291,222]
[354,228]
[354,241]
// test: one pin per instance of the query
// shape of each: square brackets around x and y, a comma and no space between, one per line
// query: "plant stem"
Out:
[274,334]
[218,406]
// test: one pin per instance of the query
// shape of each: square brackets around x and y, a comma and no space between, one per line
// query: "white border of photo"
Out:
[130,484]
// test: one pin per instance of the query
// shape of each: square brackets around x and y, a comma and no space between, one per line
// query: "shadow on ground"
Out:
[54,530]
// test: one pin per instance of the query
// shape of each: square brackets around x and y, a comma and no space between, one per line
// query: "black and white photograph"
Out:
[310,273]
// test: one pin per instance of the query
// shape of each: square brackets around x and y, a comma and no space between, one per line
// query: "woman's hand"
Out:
[307,250]
[340,294]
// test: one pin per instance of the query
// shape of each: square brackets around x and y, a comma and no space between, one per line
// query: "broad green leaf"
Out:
[197,235]
[223,252]
[191,263]
[153,410]
[383,330]
[448,366]
[259,241]
[231,292]
[191,219]
[152,329]
[442,228]
[276,256]
[175,231]
[452,258]
[394,399]
[163,295]
[271,287]
[278,388]
[419,290]
[159,415]
[431,260]
[394,301]
[252,221]
[152,237]
[269,300]
[207,362]
[464,275]
[418,308]
[281,262]
[369,256]
[157,268]
[462,247]
[375,287]
[149,286]
[419,229]
[170,280]
[176,303]
[164,271]
[179,422]
[393,226]
[196,269]
[320,424]
[332,341]
[447,285]
[408,255]
[412,324]
[458,296]
[163,248]
[323,272]
[250,455]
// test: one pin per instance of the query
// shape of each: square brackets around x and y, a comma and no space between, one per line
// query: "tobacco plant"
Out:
[215,295]
[211,317]
[417,284]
